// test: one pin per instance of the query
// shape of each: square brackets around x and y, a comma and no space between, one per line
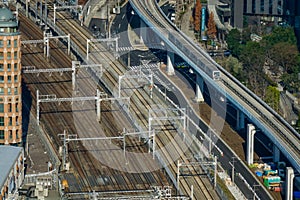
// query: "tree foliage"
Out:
[291,82]
[273,98]
[284,55]
[233,66]
[197,16]
[233,40]
[280,34]
[211,26]
[253,56]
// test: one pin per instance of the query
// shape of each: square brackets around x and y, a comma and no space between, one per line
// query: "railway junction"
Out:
[106,113]
[79,149]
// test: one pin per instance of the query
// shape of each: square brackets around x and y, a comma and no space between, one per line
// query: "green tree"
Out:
[233,40]
[253,56]
[233,66]
[284,55]
[273,97]
[291,82]
[280,34]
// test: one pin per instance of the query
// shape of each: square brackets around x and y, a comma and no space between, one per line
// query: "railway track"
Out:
[285,134]
[142,97]
[56,124]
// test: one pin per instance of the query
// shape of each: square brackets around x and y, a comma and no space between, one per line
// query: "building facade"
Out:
[10,79]
[11,171]
[271,10]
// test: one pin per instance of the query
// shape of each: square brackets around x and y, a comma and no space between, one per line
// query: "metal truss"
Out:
[100,40]
[32,41]
[73,137]
[75,67]
[98,98]
[48,36]
[167,114]
[137,74]
[77,8]
[45,41]
[200,163]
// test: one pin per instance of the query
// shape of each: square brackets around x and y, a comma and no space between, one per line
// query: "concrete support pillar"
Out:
[240,120]
[199,88]
[250,143]
[289,180]
[143,32]
[276,153]
[170,61]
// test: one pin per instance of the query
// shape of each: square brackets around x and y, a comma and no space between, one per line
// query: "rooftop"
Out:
[8,155]
[7,19]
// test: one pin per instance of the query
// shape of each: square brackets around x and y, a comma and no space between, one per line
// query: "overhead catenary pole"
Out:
[41,12]
[26,7]
[87,48]
[98,105]
[48,36]
[192,192]
[232,171]
[37,108]
[215,172]
[69,43]
[54,14]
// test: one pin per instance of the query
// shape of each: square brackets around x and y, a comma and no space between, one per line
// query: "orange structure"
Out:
[10,79]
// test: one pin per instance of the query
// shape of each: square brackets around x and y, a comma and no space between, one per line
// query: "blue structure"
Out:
[203,12]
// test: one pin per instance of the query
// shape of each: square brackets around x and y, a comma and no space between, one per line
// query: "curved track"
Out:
[284,135]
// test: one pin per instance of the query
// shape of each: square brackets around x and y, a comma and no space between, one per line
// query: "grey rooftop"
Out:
[8,156]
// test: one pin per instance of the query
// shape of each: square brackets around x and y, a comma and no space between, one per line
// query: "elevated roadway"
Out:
[266,119]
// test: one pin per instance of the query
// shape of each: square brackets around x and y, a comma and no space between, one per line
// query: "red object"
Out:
[277,189]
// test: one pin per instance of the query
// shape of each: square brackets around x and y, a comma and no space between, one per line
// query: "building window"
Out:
[15,55]
[1,79]
[10,121]
[9,67]
[8,90]
[15,67]
[1,107]
[8,55]
[9,79]
[9,107]
[1,134]
[1,90]
[17,107]
[8,42]
[262,6]
[1,55]
[16,91]
[1,121]
[17,121]
[253,6]
[16,78]
[10,135]
[1,43]
[15,43]
[270,6]
[17,134]
[1,67]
